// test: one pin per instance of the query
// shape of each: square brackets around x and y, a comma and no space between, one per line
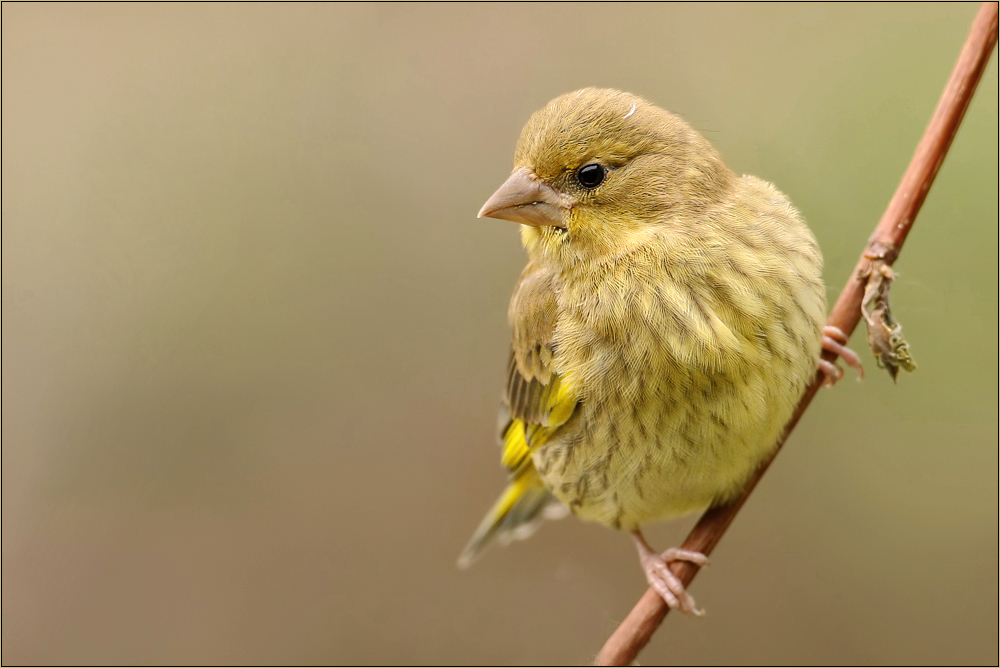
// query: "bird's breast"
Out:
[681,394]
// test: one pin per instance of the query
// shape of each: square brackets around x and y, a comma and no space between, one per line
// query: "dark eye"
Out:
[591,176]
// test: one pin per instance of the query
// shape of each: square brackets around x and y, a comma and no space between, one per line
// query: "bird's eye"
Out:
[591,175]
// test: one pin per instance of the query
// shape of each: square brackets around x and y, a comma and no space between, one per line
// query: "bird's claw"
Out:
[834,341]
[662,579]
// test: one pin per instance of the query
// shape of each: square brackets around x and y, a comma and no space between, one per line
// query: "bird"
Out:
[669,318]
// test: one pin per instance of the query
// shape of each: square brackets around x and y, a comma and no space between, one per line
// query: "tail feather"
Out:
[515,515]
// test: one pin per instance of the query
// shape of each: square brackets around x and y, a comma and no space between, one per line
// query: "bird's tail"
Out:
[515,515]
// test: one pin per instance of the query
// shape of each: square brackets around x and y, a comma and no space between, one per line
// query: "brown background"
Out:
[253,335]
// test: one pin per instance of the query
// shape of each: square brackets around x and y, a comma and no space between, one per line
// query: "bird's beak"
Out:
[523,198]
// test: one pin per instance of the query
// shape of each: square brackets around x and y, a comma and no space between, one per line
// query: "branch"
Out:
[883,248]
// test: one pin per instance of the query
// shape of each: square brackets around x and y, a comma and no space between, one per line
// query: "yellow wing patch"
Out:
[556,402]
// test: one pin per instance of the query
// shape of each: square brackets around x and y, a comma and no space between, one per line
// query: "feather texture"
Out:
[663,331]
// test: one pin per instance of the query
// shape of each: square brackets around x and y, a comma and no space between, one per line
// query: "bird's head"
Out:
[598,170]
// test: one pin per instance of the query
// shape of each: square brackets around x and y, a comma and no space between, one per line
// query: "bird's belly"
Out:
[645,451]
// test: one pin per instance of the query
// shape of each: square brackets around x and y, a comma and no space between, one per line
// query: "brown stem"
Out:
[635,631]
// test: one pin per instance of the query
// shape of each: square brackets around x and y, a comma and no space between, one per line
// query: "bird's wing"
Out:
[537,402]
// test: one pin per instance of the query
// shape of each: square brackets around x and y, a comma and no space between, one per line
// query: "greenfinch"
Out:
[668,320]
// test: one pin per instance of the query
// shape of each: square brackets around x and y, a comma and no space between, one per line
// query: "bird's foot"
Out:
[661,578]
[834,341]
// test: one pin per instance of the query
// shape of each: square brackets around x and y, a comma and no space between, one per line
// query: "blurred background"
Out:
[254,336]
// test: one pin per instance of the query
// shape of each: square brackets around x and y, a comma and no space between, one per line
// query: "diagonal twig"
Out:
[883,247]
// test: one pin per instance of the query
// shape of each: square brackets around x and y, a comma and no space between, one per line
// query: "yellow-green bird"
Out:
[668,321]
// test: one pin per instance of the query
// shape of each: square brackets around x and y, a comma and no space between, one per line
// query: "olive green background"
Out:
[254,335]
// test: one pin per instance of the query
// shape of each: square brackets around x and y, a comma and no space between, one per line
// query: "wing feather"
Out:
[538,400]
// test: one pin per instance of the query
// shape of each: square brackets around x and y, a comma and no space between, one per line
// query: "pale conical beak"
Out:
[523,198]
